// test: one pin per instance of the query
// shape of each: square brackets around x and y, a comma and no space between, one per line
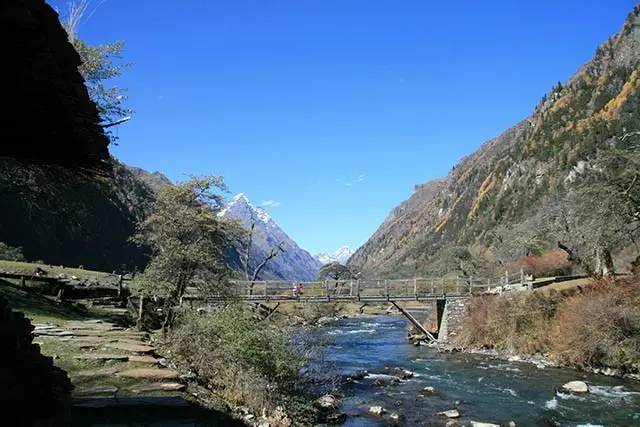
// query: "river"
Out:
[482,389]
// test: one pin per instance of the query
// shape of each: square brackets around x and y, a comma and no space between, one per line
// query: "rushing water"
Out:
[481,388]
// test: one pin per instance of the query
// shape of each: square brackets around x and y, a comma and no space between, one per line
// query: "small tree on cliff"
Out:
[188,242]
[100,65]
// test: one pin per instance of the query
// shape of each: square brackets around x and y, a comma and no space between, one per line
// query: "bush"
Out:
[9,253]
[513,323]
[600,327]
[247,361]
[552,263]
[594,327]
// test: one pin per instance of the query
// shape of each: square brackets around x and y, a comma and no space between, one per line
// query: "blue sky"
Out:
[330,111]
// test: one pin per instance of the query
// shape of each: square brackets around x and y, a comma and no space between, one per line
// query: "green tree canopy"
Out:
[188,241]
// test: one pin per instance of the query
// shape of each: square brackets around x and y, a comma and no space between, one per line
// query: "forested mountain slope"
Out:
[518,174]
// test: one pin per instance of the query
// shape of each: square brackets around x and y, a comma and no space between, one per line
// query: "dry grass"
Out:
[593,326]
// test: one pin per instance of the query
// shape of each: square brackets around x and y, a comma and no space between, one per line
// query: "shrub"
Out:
[551,263]
[600,327]
[514,323]
[246,361]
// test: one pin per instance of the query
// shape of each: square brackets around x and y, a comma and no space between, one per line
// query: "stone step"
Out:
[153,402]
[146,388]
[143,359]
[150,374]
[102,372]
[100,389]
[101,356]
[134,348]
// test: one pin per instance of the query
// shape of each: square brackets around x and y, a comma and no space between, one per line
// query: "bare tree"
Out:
[600,212]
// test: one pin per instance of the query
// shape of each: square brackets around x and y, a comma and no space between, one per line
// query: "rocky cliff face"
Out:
[293,264]
[72,216]
[47,114]
[514,175]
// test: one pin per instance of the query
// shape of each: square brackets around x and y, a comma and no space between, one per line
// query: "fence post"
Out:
[23,283]
[415,288]
[326,289]
[470,284]
[358,289]
[140,307]
[444,292]
[457,284]
[265,288]
[386,288]
[506,277]
[433,286]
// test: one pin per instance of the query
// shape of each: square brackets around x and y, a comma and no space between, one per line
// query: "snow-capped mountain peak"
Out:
[341,255]
[293,263]
[239,206]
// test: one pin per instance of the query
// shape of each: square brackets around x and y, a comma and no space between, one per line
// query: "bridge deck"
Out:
[417,289]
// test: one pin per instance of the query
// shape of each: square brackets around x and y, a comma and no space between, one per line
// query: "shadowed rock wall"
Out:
[47,113]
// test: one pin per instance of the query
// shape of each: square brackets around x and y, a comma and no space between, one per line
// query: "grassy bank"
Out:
[590,327]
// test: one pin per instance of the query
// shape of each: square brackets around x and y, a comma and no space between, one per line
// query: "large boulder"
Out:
[576,387]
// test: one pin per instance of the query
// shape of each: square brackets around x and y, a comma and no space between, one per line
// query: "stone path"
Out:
[116,362]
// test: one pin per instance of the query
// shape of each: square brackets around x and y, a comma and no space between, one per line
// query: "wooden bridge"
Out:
[365,290]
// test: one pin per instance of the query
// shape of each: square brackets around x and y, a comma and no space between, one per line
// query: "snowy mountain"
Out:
[341,256]
[293,264]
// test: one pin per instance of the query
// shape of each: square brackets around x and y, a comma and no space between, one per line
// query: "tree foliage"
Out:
[188,241]
[601,210]
[9,253]
[335,271]
[100,65]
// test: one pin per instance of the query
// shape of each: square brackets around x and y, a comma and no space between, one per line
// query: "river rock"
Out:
[479,424]
[358,375]
[403,374]
[428,390]
[336,418]
[394,418]
[327,401]
[451,413]
[576,387]
[377,410]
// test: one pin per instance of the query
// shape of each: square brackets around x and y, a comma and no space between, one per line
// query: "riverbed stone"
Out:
[480,424]
[400,373]
[394,418]
[327,401]
[451,413]
[377,410]
[576,387]
[428,390]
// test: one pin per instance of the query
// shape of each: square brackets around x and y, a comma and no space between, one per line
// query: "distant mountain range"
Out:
[518,174]
[294,263]
[341,255]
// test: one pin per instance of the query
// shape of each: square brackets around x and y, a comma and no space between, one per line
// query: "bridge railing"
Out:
[361,289]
